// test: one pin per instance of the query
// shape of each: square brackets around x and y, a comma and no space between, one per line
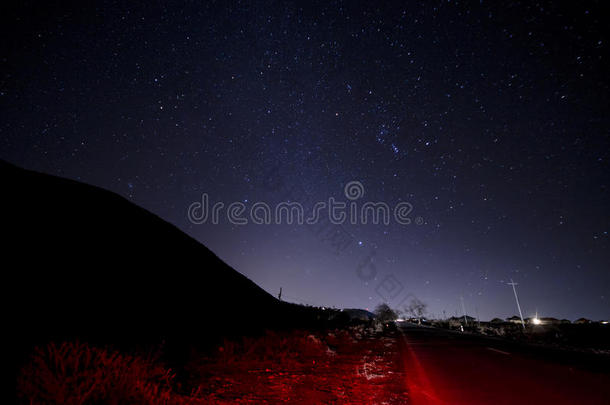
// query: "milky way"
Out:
[490,120]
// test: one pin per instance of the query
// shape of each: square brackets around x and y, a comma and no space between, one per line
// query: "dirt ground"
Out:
[356,365]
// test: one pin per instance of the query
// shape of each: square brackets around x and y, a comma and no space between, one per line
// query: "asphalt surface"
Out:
[445,367]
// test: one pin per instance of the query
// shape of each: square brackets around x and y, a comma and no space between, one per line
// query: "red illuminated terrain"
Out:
[354,366]
[451,368]
[345,366]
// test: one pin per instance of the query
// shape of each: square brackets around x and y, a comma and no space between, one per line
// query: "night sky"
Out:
[491,120]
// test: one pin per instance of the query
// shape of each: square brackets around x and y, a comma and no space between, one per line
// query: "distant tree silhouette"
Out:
[416,309]
[384,313]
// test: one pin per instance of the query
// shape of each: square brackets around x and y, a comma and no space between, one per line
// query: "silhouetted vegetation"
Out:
[385,314]
[416,309]
[330,367]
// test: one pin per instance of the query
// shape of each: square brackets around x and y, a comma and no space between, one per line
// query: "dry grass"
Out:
[293,367]
[337,367]
[76,373]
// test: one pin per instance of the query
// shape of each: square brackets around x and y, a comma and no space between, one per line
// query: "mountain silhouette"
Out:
[83,262]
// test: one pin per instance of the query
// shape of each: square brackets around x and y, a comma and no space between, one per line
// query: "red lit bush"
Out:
[75,373]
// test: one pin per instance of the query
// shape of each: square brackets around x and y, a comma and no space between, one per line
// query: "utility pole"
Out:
[517,300]
[279,297]
[464,310]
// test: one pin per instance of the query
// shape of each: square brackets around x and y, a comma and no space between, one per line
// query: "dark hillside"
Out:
[84,262]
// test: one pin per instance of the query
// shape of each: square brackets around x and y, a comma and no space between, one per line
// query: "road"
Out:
[445,367]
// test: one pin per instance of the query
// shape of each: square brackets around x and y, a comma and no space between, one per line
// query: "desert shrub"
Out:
[272,347]
[75,373]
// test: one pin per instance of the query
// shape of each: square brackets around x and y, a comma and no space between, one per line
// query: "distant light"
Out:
[604,322]
[536,321]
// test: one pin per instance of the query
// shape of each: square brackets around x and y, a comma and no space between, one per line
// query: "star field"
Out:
[490,119]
